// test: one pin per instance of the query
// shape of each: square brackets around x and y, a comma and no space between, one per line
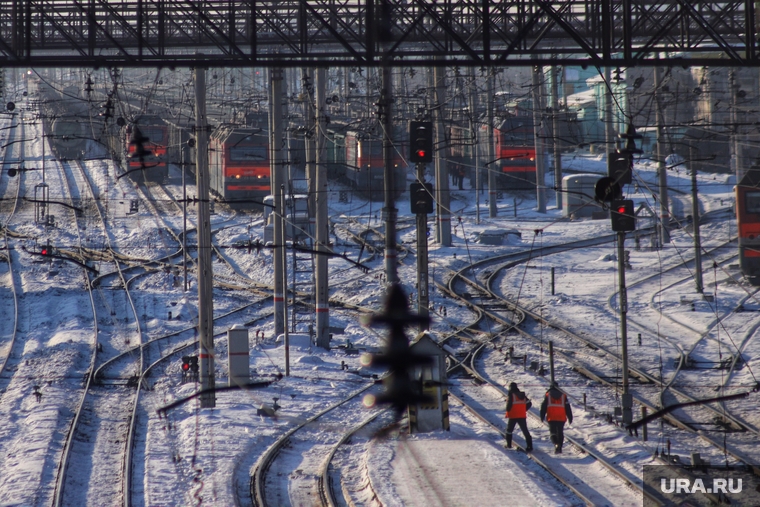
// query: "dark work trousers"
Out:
[556,430]
[523,427]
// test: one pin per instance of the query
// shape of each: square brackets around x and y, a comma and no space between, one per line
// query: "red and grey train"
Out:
[516,153]
[748,223]
[142,147]
[239,165]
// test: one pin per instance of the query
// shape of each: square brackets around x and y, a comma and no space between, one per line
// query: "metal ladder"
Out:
[303,281]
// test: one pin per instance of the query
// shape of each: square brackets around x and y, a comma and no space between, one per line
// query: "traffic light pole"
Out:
[423,297]
[623,301]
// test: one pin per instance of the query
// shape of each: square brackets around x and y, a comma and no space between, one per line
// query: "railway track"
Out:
[505,323]
[275,481]
[8,206]
[102,446]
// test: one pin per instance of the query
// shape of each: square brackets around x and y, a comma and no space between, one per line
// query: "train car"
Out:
[365,168]
[516,153]
[748,223]
[461,151]
[67,138]
[239,165]
[145,144]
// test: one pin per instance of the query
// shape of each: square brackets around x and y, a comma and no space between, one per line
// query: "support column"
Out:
[556,143]
[662,175]
[309,144]
[695,221]
[321,232]
[609,124]
[492,165]
[442,195]
[475,131]
[537,133]
[205,267]
[389,209]
[277,179]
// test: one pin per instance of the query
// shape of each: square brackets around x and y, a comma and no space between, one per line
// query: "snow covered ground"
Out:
[195,454]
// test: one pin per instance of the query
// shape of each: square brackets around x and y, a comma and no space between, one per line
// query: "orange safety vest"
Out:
[555,409]
[519,408]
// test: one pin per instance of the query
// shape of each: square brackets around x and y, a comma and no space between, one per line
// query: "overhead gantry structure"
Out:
[349,33]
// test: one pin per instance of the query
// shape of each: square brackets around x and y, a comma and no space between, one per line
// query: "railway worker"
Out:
[518,405]
[556,410]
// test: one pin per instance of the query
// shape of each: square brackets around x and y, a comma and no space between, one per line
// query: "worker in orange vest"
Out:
[556,409]
[518,405]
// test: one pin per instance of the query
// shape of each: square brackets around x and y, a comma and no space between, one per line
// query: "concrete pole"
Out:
[309,142]
[537,123]
[205,266]
[423,295]
[695,221]
[661,171]
[474,128]
[556,143]
[389,209]
[280,196]
[442,195]
[609,124]
[623,301]
[551,361]
[321,232]
[492,164]
[735,147]
[277,179]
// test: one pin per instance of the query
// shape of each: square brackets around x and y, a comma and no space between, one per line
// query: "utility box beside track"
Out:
[238,355]
[432,414]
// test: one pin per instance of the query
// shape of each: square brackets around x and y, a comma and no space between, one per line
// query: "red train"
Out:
[144,144]
[357,158]
[516,153]
[239,165]
[748,222]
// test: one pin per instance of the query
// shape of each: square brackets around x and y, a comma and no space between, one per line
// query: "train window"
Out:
[154,134]
[243,153]
[752,202]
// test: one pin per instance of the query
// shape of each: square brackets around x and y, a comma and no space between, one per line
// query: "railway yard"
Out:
[98,306]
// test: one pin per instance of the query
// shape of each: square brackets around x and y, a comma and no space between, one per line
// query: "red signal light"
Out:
[185,367]
[621,210]
[421,153]
[44,251]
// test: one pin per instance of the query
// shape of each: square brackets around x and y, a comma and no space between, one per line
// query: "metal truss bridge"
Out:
[312,33]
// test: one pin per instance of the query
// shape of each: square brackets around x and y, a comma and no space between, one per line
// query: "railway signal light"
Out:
[185,365]
[607,190]
[421,141]
[621,213]
[619,167]
[421,197]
